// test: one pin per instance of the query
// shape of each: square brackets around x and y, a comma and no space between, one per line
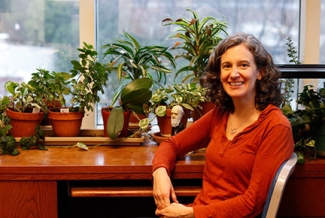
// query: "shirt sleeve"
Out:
[192,138]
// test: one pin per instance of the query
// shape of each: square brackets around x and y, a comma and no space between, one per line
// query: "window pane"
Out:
[271,21]
[37,34]
[322,34]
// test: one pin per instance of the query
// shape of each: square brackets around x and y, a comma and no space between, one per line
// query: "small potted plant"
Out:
[50,85]
[26,109]
[164,99]
[132,97]
[88,77]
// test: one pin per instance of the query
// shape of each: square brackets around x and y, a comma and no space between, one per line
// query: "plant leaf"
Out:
[115,122]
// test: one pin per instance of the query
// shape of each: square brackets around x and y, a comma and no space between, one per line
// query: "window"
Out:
[271,21]
[36,34]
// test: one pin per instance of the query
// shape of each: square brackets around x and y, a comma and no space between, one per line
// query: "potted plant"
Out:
[26,109]
[87,79]
[308,124]
[132,98]
[195,40]
[132,61]
[164,99]
[50,85]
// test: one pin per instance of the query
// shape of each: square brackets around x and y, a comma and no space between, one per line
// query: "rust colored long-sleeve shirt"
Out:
[238,172]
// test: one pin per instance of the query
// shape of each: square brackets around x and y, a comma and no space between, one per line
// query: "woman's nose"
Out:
[234,72]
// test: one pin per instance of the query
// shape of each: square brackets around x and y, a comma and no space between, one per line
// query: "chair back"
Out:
[277,187]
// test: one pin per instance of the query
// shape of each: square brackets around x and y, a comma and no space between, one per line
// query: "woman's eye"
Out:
[226,66]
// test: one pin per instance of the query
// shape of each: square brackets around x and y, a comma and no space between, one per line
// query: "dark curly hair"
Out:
[267,89]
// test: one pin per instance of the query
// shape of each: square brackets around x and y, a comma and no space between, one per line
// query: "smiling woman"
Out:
[238,134]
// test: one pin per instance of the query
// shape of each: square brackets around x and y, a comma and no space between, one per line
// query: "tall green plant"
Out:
[89,78]
[132,61]
[289,83]
[198,37]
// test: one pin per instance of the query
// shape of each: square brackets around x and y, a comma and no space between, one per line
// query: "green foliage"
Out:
[198,38]
[307,123]
[24,96]
[7,142]
[89,76]
[34,140]
[8,145]
[187,95]
[289,83]
[134,60]
[133,96]
[292,53]
[51,85]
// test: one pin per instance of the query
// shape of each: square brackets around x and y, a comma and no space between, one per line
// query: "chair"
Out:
[277,187]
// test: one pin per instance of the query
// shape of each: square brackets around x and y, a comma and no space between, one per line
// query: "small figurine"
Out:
[176,117]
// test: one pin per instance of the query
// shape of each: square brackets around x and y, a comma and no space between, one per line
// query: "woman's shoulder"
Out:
[274,115]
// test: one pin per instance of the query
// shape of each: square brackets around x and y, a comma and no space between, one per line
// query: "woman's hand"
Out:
[163,189]
[175,210]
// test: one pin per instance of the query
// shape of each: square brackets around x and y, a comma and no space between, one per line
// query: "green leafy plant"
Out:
[52,85]
[81,85]
[24,97]
[133,96]
[7,142]
[34,140]
[197,39]
[186,95]
[289,83]
[307,122]
[132,61]
[89,77]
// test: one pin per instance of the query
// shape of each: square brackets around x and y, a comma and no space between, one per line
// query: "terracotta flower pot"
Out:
[134,122]
[24,124]
[125,131]
[66,124]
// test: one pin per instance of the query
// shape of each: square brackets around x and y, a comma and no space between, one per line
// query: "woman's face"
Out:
[239,72]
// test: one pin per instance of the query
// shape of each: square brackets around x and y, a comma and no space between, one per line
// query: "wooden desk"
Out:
[28,182]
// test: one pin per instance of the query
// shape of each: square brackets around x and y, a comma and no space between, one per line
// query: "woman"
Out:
[246,141]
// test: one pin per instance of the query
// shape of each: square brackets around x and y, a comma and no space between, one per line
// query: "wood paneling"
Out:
[28,199]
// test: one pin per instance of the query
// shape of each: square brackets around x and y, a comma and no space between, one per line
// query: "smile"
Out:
[236,83]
